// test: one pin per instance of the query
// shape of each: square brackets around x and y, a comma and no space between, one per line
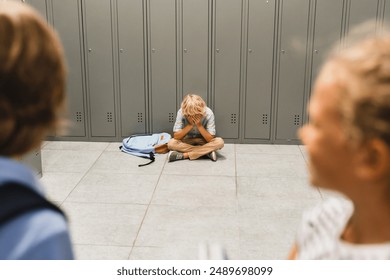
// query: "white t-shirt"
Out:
[319,233]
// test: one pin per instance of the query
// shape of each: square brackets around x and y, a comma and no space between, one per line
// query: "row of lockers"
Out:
[131,61]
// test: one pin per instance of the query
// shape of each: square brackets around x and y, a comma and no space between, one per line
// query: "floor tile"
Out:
[76,146]
[104,224]
[119,162]
[59,185]
[203,166]
[67,161]
[94,252]
[184,190]
[268,149]
[115,188]
[265,165]
[253,192]
[181,225]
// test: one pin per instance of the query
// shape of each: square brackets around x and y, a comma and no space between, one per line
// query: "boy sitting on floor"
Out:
[194,131]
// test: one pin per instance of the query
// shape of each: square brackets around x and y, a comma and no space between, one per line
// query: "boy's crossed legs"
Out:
[194,148]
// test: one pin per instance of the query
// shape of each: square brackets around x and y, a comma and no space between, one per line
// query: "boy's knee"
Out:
[172,143]
[219,142]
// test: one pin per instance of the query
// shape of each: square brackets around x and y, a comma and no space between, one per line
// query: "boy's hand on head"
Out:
[197,120]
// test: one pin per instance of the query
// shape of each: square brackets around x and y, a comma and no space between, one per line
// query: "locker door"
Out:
[195,47]
[163,64]
[227,67]
[100,67]
[67,22]
[292,62]
[131,65]
[327,32]
[39,5]
[259,69]
[361,11]
[387,14]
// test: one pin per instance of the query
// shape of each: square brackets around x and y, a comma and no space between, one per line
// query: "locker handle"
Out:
[153,50]
[217,50]
[185,50]
[121,50]
[89,50]
[250,50]
[315,51]
[283,51]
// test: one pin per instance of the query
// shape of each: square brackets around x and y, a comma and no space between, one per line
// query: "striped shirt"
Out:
[319,235]
[208,123]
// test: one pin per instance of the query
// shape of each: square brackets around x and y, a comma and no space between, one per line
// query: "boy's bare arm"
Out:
[178,135]
[206,135]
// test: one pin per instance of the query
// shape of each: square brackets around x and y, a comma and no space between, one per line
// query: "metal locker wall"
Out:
[163,83]
[386,16]
[260,51]
[100,70]
[195,47]
[292,67]
[227,67]
[361,11]
[67,22]
[131,67]
[327,31]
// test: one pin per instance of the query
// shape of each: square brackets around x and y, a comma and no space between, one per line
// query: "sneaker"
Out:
[212,156]
[173,155]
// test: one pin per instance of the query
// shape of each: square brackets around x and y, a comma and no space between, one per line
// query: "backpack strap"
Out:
[16,199]
[152,159]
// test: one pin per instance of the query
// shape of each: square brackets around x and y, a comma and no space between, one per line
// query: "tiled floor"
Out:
[249,201]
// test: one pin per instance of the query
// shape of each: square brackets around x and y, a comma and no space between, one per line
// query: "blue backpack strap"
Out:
[152,159]
[17,199]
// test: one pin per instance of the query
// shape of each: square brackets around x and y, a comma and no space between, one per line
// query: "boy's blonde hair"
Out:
[193,105]
[32,79]
[362,75]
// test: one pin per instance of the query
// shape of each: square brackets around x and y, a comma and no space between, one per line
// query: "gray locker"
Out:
[99,49]
[259,69]
[292,67]
[67,22]
[327,31]
[387,16]
[195,47]
[227,63]
[361,11]
[39,5]
[162,53]
[132,67]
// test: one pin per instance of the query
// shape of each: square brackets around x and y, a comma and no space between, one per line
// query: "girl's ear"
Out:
[373,160]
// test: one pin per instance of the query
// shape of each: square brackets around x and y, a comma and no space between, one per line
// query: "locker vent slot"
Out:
[265,118]
[171,117]
[297,120]
[79,117]
[140,117]
[109,117]
[233,118]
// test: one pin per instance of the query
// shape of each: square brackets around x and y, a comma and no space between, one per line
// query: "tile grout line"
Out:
[82,177]
[147,209]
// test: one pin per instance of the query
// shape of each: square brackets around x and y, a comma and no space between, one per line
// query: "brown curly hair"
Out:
[32,79]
